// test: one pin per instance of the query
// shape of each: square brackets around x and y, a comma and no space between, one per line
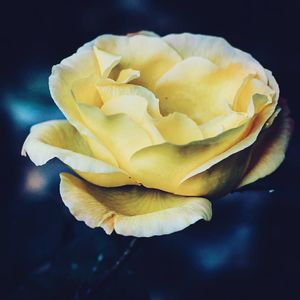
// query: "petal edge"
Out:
[131,211]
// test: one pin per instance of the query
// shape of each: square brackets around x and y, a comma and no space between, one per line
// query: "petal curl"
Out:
[131,211]
[218,180]
[215,49]
[151,55]
[59,139]
[253,96]
[144,32]
[121,135]
[106,61]
[127,75]
[220,124]
[84,91]
[270,148]
[166,166]
[197,88]
[110,90]
[154,165]
[136,108]
[178,128]
[78,69]
[256,124]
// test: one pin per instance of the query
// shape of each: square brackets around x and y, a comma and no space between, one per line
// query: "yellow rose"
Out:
[154,124]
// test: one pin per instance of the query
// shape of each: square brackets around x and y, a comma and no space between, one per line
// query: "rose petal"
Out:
[253,96]
[110,90]
[219,179]
[150,55]
[215,49]
[154,165]
[136,108]
[84,90]
[179,129]
[143,32]
[166,165]
[257,123]
[59,139]
[273,84]
[270,148]
[127,75]
[78,68]
[106,61]
[121,135]
[131,211]
[197,88]
[223,123]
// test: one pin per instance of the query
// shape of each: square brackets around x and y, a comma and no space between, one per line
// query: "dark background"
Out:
[250,250]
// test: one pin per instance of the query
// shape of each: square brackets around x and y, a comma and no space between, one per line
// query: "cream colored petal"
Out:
[223,123]
[166,166]
[144,32]
[218,180]
[273,84]
[99,150]
[269,150]
[178,129]
[59,139]
[76,68]
[121,135]
[136,108]
[215,49]
[150,55]
[84,91]
[72,73]
[131,211]
[124,144]
[253,96]
[106,61]
[110,90]
[127,75]
[199,89]
[79,69]
[257,123]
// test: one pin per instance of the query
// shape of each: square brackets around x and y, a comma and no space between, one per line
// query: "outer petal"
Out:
[218,180]
[144,32]
[166,166]
[270,148]
[154,166]
[257,124]
[131,211]
[215,49]
[70,72]
[84,91]
[59,139]
[76,71]
[273,84]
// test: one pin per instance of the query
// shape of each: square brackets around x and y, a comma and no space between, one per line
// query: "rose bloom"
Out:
[155,125]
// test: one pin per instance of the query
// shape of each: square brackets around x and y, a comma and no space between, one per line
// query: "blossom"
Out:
[155,126]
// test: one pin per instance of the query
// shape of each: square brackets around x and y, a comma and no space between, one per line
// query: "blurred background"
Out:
[250,249]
